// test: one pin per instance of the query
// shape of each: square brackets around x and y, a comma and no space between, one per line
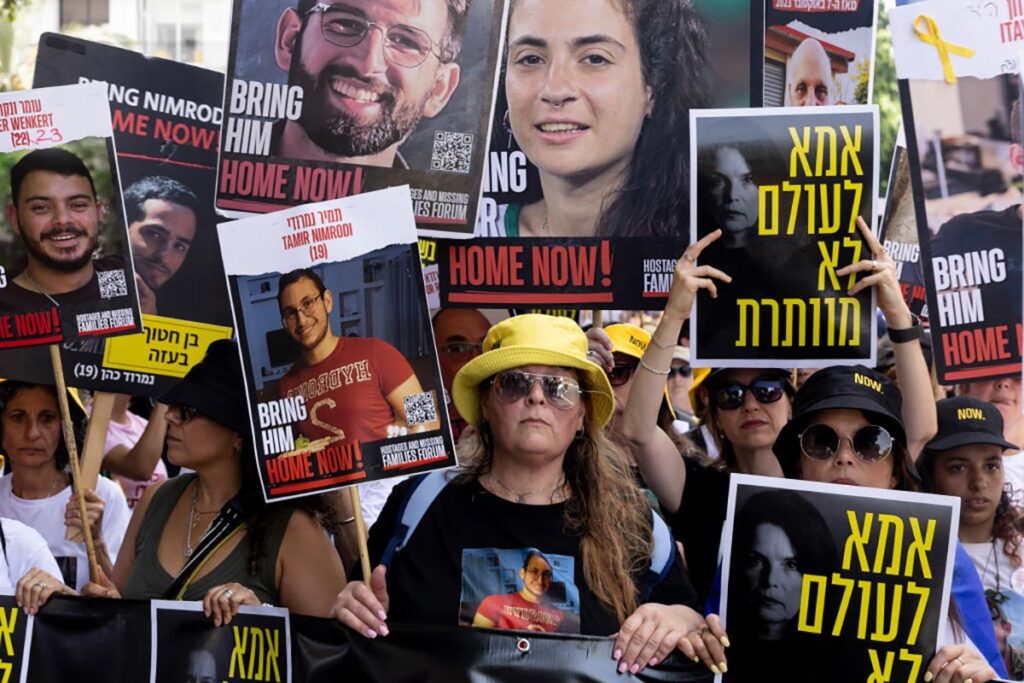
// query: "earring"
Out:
[581,432]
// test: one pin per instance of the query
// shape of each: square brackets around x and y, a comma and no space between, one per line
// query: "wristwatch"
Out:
[915,331]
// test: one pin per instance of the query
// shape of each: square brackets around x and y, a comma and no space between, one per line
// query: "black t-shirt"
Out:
[698,522]
[429,581]
[14,297]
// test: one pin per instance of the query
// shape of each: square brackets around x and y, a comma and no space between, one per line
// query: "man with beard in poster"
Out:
[369,71]
[55,212]
[354,387]
[161,214]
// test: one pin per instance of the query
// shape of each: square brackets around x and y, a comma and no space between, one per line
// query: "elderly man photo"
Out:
[809,76]
[370,70]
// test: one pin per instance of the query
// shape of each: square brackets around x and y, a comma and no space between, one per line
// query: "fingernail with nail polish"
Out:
[622,668]
[928,676]
[370,633]
[723,667]
[633,669]
[725,641]
[617,655]
[715,669]
[382,616]
[654,661]
[383,629]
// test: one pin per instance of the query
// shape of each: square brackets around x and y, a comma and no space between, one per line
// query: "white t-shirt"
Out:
[373,495]
[1013,474]
[26,549]
[46,515]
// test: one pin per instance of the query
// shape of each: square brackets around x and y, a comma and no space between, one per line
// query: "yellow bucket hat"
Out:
[632,341]
[532,339]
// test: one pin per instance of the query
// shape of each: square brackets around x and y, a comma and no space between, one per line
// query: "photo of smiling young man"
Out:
[369,70]
[354,387]
[56,215]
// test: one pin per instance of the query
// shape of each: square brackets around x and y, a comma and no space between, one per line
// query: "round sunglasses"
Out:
[870,443]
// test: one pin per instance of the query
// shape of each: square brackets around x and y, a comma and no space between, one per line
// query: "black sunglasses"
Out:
[186,412]
[730,395]
[621,372]
[682,371]
[870,443]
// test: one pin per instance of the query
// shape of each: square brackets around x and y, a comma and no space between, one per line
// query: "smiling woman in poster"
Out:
[599,94]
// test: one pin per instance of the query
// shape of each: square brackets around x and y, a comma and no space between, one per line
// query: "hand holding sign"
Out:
[649,634]
[364,608]
[883,278]
[690,278]
[958,663]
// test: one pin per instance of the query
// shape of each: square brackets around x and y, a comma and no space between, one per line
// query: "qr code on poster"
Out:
[420,408]
[452,152]
[112,283]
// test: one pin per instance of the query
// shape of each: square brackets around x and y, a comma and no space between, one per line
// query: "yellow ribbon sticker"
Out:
[933,37]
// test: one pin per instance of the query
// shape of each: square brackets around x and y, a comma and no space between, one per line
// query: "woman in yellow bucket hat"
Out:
[544,476]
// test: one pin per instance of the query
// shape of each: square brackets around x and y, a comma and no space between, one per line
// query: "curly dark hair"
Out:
[1005,525]
[10,389]
[655,195]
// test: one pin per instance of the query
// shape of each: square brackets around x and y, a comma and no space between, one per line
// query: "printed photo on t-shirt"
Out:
[522,590]
[1007,608]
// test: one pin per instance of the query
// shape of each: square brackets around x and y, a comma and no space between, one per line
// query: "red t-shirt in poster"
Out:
[513,611]
[348,389]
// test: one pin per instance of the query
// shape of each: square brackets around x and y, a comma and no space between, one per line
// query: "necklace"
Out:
[41,290]
[193,519]
[54,487]
[521,496]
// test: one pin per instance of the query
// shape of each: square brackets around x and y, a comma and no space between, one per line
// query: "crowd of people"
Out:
[595,465]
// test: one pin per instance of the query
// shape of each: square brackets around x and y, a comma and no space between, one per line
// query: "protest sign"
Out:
[963,147]
[15,640]
[561,273]
[255,646]
[860,580]
[341,373]
[785,186]
[307,119]
[720,34]
[65,269]
[818,52]
[320,650]
[899,233]
[166,118]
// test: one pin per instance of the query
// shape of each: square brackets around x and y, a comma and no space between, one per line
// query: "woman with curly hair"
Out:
[599,94]
[544,476]
[209,535]
[965,459]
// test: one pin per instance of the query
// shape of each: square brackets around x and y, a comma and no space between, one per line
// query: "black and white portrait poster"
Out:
[338,354]
[166,118]
[785,186]
[255,646]
[65,267]
[834,582]
[966,160]
[332,99]
[819,52]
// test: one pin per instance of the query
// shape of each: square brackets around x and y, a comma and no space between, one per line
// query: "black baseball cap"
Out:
[852,387]
[964,421]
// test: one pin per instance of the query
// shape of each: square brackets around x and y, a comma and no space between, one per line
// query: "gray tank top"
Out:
[149,580]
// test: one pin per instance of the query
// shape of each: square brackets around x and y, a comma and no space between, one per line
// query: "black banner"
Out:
[592,273]
[70,635]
